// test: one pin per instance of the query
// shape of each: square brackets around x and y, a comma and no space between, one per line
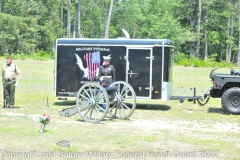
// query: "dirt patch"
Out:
[150,126]
[12,114]
[157,125]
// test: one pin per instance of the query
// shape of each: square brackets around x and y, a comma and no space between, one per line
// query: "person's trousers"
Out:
[9,91]
[103,105]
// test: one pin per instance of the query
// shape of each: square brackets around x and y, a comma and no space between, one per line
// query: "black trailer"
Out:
[146,64]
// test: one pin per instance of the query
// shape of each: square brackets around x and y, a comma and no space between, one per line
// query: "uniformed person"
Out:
[106,72]
[10,72]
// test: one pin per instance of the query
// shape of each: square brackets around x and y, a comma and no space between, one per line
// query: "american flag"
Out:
[93,63]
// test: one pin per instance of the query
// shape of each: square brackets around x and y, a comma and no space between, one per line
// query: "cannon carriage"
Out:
[93,102]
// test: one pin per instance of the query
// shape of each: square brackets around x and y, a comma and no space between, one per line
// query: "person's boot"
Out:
[11,106]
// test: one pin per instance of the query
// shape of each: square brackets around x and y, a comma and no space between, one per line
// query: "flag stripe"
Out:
[93,63]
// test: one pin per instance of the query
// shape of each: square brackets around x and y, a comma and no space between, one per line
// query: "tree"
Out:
[238,55]
[186,13]
[199,27]
[69,20]
[18,35]
[129,15]
[108,19]
[79,19]
[75,19]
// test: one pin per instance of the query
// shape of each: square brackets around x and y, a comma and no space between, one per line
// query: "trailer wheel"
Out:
[125,101]
[231,100]
[92,102]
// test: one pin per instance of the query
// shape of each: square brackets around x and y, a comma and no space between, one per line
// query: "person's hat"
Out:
[107,58]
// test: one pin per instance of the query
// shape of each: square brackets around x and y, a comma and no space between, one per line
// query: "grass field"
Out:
[156,130]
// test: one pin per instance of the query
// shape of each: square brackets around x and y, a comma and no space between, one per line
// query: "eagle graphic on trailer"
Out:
[80,65]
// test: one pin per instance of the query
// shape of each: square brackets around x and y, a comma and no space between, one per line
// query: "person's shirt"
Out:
[9,71]
[108,75]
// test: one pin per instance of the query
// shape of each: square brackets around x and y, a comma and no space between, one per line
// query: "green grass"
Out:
[155,126]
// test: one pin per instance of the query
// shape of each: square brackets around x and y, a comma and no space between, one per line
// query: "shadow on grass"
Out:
[138,106]
[81,120]
[216,110]
[107,119]
[100,123]
[15,107]
[65,103]
[153,107]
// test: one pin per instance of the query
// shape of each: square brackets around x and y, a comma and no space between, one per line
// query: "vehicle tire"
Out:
[231,100]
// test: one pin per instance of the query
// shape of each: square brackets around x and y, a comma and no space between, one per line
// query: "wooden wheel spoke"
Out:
[91,112]
[125,94]
[98,112]
[122,90]
[87,112]
[112,108]
[90,90]
[125,106]
[94,112]
[116,110]
[95,89]
[80,101]
[86,93]
[84,96]
[100,107]
[98,93]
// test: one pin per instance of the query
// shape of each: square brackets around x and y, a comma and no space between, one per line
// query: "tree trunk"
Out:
[61,29]
[69,20]
[199,27]
[108,20]
[231,34]
[238,57]
[192,24]
[206,39]
[75,19]
[227,49]
[206,46]
[79,20]
[134,31]
[192,48]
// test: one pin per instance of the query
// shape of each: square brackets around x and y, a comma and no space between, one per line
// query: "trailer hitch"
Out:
[194,98]
[206,97]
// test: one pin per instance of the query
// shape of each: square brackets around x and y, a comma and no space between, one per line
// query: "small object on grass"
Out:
[42,128]
[44,119]
[47,105]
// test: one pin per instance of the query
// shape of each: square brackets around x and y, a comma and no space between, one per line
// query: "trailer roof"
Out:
[80,41]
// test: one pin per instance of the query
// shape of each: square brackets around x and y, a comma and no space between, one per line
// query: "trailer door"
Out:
[139,71]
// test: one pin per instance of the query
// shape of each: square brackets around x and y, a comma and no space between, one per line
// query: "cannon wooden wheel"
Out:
[90,100]
[124,102]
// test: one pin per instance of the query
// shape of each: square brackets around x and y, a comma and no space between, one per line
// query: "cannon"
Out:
[93,102]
